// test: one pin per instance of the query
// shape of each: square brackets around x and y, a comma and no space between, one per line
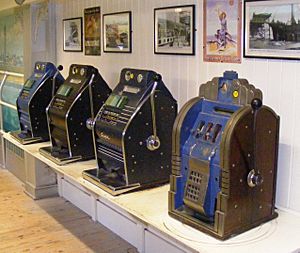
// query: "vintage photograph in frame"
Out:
[272,29]
[117,32]
[92,31]
[222,30]
[174,30]
[72,29]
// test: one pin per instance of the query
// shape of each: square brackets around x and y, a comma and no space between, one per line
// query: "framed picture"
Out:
[174,30]
[222,30]
[272,29]
[92,31]
[72,28]
[117,32]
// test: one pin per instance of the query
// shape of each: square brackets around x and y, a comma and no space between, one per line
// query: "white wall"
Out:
[183,74]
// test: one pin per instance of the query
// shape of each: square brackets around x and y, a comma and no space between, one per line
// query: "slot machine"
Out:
[76,100]
[33,100]
[133,134]
[224,159]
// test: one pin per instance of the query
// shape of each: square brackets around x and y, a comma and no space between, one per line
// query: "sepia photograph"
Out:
[92,31]
[117,32]
[72,29]
[272,29]
[222,30]
[174,30]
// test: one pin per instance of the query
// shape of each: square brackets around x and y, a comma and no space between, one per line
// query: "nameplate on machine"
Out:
[104,136]
[38,75]
[76,81]
[131,89]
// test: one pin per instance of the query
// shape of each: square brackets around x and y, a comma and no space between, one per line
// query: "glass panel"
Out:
[11,89]
[10,92]
[10,119]
[1,78]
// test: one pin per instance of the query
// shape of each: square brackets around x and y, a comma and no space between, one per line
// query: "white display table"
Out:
[142,217]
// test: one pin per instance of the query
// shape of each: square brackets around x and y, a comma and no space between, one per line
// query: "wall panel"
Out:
[278,79]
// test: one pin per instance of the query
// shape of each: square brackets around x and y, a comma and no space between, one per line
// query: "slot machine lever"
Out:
[59,68]
[254,177]
[91,97]
[90,122]
[153,141]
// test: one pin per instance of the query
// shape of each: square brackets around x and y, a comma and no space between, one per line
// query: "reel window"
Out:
[29,83]
[64,90]
[117,101]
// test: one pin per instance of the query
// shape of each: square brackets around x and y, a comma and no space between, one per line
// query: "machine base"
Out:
[93,177]
[209,228]
[25,138]
[60,158]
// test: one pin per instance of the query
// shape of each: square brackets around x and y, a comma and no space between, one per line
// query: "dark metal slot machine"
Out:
[83,93]
[224,159]
[33,100]
[133,134]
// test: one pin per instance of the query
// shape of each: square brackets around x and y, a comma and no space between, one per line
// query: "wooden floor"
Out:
[49,225]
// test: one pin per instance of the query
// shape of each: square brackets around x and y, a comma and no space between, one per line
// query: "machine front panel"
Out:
[69,111]
[66,95]
[33,100]
[124,128]
[203,146]
[120,106]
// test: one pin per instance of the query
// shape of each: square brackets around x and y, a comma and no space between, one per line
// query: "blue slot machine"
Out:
[224,159]
[33,100]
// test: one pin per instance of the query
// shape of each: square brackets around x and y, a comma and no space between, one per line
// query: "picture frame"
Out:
[92,31]
[174,30]
[272,29]
[117,33]
[72,35]
[222,26]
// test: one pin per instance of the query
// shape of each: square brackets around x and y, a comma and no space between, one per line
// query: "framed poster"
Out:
[272,29]
[12,32]
[117,32]
[222,30]
[92,31]
[72,29]
[174,30]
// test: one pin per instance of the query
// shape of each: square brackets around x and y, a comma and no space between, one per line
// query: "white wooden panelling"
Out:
[78,197]
[278,79]
[121,225]
[154,244]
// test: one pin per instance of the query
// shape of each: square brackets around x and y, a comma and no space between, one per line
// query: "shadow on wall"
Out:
[283,175]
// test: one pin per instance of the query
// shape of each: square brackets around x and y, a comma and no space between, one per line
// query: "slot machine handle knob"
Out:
[60,67]
[89,124]
[254,179]
[256,103]
[153,143]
